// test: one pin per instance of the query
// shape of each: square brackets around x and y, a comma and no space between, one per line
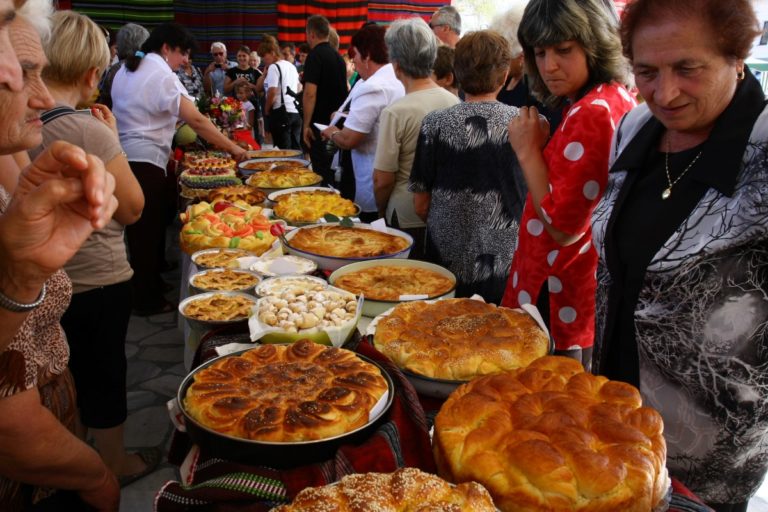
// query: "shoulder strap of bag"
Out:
[280,83]
[55,113]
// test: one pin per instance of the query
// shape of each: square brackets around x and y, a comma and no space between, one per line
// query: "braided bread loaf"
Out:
[405,490]
[552,438]
[286,393]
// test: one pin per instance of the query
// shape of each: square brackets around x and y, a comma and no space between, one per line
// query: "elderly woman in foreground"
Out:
[683,238]
[412,50]
[39,451]
[466,181]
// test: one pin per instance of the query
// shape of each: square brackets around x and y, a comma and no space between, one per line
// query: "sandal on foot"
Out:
[151,457]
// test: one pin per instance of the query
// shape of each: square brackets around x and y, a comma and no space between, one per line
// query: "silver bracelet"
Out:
[19,307]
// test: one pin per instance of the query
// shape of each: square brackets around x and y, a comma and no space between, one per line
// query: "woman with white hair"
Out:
[516,91]
[39,451]
[129,38]
[412,50]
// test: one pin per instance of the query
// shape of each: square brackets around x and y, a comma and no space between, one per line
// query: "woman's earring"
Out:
[740,75]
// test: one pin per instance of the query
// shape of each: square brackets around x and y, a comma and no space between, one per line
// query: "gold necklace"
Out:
[668,191]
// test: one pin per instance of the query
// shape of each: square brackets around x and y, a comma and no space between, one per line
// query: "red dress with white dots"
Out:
[577,163]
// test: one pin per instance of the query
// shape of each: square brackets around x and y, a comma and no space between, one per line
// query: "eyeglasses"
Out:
[218,53]
[433,27]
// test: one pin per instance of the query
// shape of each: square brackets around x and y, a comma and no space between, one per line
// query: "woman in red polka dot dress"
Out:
[573,56]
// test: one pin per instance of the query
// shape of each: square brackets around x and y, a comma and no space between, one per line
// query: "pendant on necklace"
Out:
[667,192]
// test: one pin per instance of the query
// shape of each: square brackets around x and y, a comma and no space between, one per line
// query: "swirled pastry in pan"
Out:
[389,282]
[284,178]
[286,393]
[344,242]
[554,437]
[219,308]
[405,490]
[226,279]
[220,258]
[459,339]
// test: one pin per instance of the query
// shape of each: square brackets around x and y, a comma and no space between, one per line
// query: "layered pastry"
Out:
[208,177]
[224,280]
[552,437]
[387,282]
[286,393]
[236,225]
[219,307]
[207,160]
[245,193]
[459,339]
[346,242]
[220,258]
[405,490]
[284,178]
[312,205]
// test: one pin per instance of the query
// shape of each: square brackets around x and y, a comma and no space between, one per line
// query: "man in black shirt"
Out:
[325,88]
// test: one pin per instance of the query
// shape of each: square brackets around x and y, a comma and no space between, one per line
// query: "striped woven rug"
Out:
[387,11]
[345,16]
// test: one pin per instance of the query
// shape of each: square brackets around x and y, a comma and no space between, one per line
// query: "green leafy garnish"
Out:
[260,235]
[346,221]
[234,242]
[329,217]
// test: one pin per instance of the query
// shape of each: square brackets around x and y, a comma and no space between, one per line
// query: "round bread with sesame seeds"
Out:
[405,490]
[459,339]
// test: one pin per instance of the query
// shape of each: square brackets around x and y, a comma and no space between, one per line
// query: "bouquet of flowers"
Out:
[226,112]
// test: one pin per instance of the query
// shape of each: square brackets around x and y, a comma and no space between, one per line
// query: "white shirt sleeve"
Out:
[366,108]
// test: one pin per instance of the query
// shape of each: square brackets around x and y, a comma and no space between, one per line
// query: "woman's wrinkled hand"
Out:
[60,199]
[528,132]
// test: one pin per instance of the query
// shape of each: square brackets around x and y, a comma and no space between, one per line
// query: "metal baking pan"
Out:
[274,454]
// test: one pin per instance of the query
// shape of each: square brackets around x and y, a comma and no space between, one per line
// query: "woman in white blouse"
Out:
[148,100]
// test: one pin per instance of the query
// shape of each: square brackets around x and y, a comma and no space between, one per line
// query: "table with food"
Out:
[331,372]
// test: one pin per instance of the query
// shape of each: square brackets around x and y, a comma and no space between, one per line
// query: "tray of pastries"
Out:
[256,165]
[224,224]
[247,194]
[286,404]
[299,207]
[385,283]
[332,245]
[206,310]
[441,344]
[219,258]
[551,436]
[407,489]
[224,279]
[274,153]
[280,178]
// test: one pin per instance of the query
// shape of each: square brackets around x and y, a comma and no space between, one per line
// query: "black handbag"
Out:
[278,117]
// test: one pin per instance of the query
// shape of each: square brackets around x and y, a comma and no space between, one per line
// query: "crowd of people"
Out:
[611,172]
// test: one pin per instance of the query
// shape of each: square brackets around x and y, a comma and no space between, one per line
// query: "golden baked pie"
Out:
[389,282]
[245,193]
[219,308]
[235,225]
[286,393]
[225,280]
[271,165]
[284,178]
[459,339]
[274,153]
[221,258]
[344,242]
[405,490]
[309,206]
[554,437]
